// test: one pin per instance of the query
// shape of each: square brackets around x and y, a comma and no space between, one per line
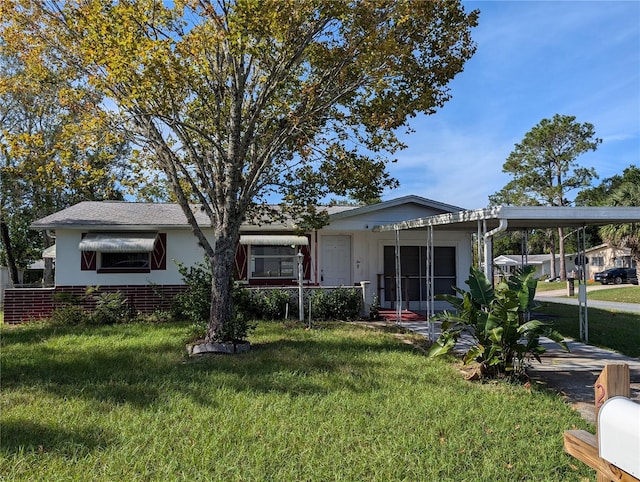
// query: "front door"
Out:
[336,261]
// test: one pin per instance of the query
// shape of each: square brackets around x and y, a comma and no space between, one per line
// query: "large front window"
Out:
[124,261]
[273,262]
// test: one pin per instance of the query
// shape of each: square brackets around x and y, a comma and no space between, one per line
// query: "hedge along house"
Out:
[134,248]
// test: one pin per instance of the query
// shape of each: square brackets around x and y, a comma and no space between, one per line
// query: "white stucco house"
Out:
[505,264]
[599,258]
[133,248]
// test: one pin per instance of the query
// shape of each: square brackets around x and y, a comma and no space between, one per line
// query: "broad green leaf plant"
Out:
[498,320]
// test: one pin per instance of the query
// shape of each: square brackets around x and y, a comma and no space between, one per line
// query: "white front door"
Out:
[336,261]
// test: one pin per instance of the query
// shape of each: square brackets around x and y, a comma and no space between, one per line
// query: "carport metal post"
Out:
[430,288]
[582,285]
[398,280]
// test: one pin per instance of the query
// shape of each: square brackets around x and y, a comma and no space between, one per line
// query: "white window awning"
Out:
[274,240]
[50,252]
[118,242]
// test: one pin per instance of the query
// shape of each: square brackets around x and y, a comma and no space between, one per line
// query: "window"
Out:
[273,262]
[123,252]
[597,261]
[124,262]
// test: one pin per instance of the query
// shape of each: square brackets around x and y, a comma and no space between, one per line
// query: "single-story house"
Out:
[505,264]
[133,248]
[598,259]
[603,257]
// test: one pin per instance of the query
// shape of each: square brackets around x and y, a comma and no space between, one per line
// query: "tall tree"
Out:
[544,171]
[625,235]
[241,100]
[619,190]
[57,147]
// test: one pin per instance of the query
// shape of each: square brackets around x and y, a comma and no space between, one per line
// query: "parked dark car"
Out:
[617,276]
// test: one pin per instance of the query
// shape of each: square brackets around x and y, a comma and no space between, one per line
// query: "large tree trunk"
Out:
[222,263]
[8,250]
[552,250]
[563,264]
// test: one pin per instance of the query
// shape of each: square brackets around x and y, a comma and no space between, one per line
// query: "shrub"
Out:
[504,338]
[269,304]
[68,315]
[158,316]
[237,329]
[194,303]
[111,308]
[337,304]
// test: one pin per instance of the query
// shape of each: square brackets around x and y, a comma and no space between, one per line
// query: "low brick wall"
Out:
[28,304]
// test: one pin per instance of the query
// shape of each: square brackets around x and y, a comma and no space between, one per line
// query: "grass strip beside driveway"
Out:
[618,331]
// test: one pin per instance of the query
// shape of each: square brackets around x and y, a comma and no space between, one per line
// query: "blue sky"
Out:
[534,59]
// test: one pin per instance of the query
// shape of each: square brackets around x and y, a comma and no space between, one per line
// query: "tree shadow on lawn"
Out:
[20,436]
[129,375]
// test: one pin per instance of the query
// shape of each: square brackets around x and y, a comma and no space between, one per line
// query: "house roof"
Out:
[516,259]
[119,215]
[411,199]
[522,217]
[130,216]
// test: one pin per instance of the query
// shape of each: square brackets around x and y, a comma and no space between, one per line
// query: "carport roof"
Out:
[522,217]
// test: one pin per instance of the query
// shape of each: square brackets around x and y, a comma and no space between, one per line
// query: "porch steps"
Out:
[390,315]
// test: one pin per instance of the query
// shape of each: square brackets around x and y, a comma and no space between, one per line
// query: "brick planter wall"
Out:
[28,304]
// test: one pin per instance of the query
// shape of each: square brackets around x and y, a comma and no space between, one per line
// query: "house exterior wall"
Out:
[366,261]
[367,257]
[27,304]
[181,245]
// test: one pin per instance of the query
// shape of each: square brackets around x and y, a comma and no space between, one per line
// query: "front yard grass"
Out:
[619,331]
[340,402]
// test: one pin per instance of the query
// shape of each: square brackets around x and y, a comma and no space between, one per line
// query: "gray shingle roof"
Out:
[114,214]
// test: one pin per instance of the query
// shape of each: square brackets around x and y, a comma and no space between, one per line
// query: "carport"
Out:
[488,222]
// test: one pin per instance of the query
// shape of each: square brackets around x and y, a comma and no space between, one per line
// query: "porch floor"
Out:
[390,315]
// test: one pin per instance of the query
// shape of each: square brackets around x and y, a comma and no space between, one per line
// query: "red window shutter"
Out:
[241,263]
[159,253]
[306,260]
[87,259]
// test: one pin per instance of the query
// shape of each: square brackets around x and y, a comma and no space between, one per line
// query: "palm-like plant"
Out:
[624,235]
[498,321]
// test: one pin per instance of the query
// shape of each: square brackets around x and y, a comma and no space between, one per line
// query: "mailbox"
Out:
[619,434]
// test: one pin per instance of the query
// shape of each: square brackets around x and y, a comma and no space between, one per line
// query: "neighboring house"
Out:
[134,247]
[506,264]
[599,258]
[603,257]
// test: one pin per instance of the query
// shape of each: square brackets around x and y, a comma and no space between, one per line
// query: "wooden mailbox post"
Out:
[613,381]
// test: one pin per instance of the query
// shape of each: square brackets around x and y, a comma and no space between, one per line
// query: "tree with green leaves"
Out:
[57,147]
[601,195]
[544,170]
[240,101]
[620,190]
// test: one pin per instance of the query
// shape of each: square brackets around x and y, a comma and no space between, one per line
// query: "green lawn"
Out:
[341,402]
[624,294]
[554,285]
[609,329]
